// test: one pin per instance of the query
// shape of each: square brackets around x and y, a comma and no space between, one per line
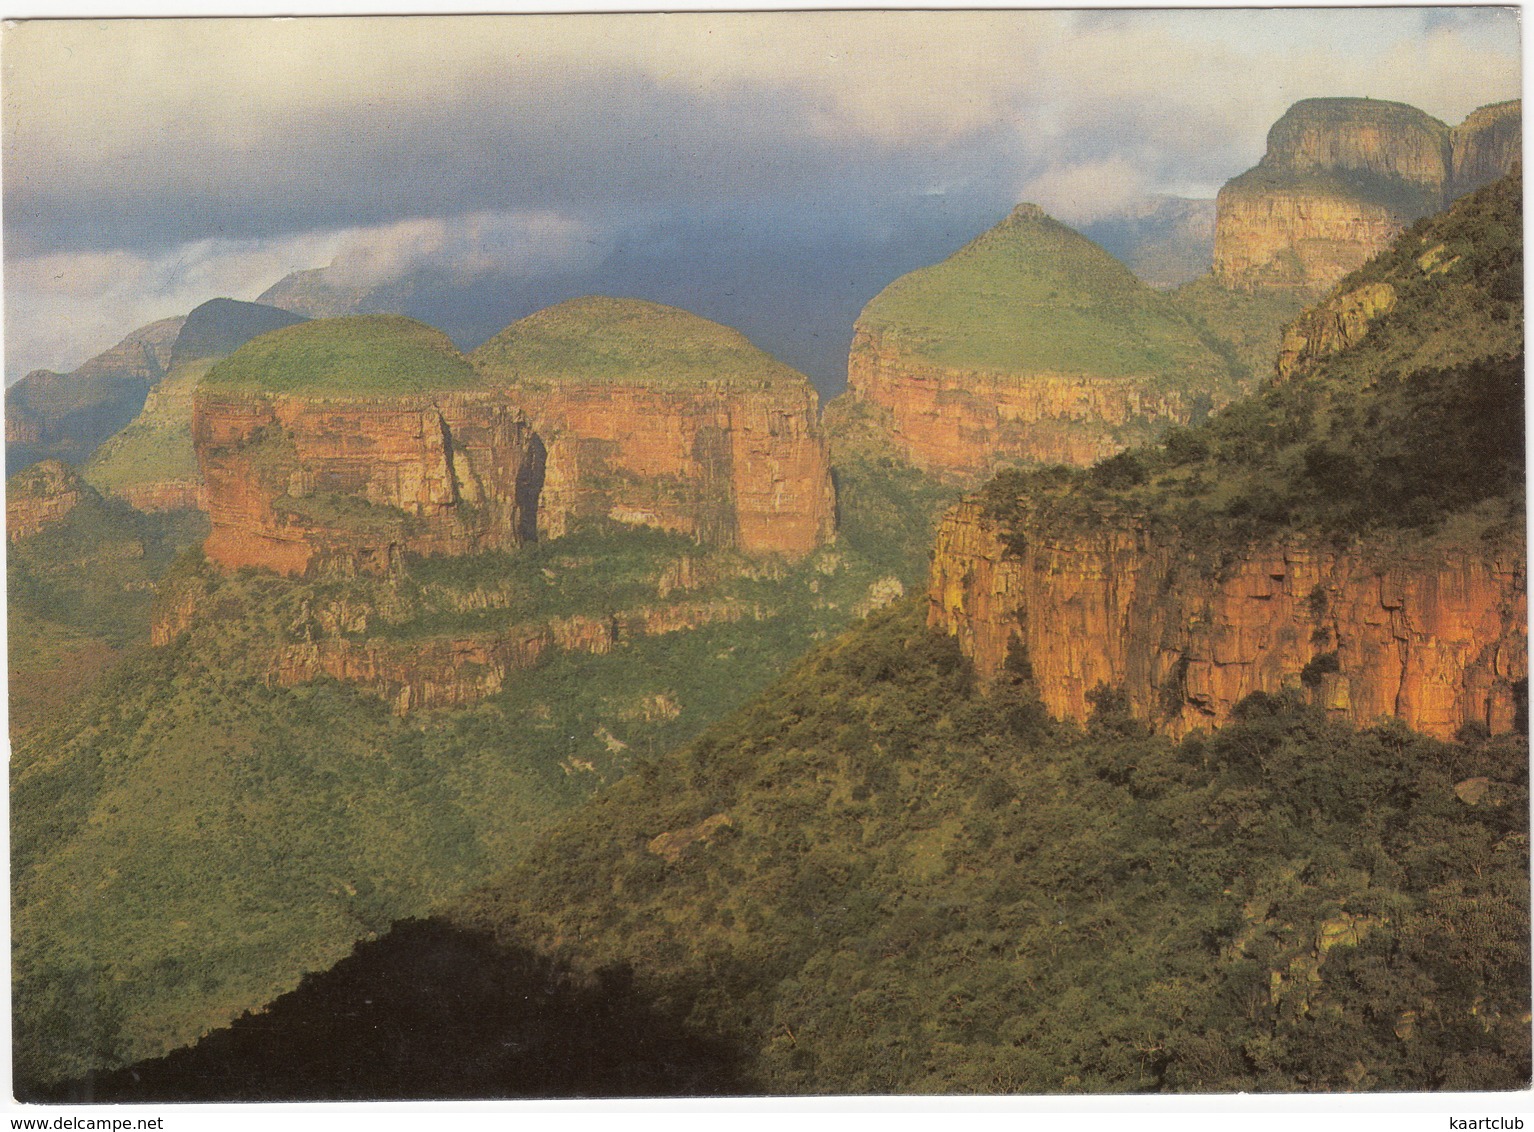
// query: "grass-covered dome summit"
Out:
[1031,296]
[360,355]
[627,342]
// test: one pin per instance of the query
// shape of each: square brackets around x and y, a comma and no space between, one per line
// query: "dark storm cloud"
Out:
[620,143]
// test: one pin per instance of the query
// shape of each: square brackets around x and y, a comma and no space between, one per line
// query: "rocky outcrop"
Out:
[960,424]
[41,496]
[729,467]
[451,672]
[1295,238]
[295,482]
[163,495]
[1429,632]
[1029,345]
[1485,146]
[1334,325]
[1340,178]
[667,420]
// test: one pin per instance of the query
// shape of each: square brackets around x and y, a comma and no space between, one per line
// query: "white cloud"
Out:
[1080,194]
[63,308]
[521,243]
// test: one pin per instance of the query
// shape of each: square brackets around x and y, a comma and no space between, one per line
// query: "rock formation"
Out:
[40,496]
[338,444]
[1429,632]
[1484,146]
[1340,178]
[1354,529]
[655,417]
[453,671]
[151,463]
[1031,344]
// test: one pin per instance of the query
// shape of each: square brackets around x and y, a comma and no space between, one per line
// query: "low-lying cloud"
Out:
[152,164]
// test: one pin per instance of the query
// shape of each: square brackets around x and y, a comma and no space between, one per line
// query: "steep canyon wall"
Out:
[1432,633]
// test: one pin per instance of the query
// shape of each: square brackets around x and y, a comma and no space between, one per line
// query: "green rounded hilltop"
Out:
[1031,296]
[626,342]
[360,355]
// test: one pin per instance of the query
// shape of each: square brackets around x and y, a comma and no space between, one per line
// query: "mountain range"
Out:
[1119,687]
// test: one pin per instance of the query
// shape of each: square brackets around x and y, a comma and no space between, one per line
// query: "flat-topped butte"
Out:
[617,341]
[1031,296]
[355,356]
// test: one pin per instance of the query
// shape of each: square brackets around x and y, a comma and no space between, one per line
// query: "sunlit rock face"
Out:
[656,417]
[1428,632]
[1029,345]
[340,444]
[1341,178]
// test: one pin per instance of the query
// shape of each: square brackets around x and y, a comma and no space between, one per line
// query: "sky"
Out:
[774,170]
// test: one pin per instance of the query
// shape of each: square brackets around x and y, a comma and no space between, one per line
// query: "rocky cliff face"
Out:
[41,496]
[1298,238]
[1484,146]
[1331,326]
[730,467]
[453,671]
[654,417]
[1031,344]
[1431,633]
[298,482]
[1341,177]
[961,424]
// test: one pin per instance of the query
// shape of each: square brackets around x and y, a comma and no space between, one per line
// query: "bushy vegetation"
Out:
[926,889]
[79,592]
[189,838]
[1419,425]
[1031,296]
[629,342]
[365,355]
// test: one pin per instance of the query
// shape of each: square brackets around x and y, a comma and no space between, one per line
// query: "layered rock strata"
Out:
[1029,345]
[41,496]
[1485,146]
[654,417]
[297,482]
[729,467]
[1341,178]
[453,671]
[962,423]
[1431,633]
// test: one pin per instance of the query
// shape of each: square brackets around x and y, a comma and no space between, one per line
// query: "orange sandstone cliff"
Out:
[1434,634]
[1029,345]
[1354,529]
[1341,178]
[654,417]
[337,445]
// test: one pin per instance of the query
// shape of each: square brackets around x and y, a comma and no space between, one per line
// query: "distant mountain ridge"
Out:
[150,462]
[1166,241]
[67,415]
